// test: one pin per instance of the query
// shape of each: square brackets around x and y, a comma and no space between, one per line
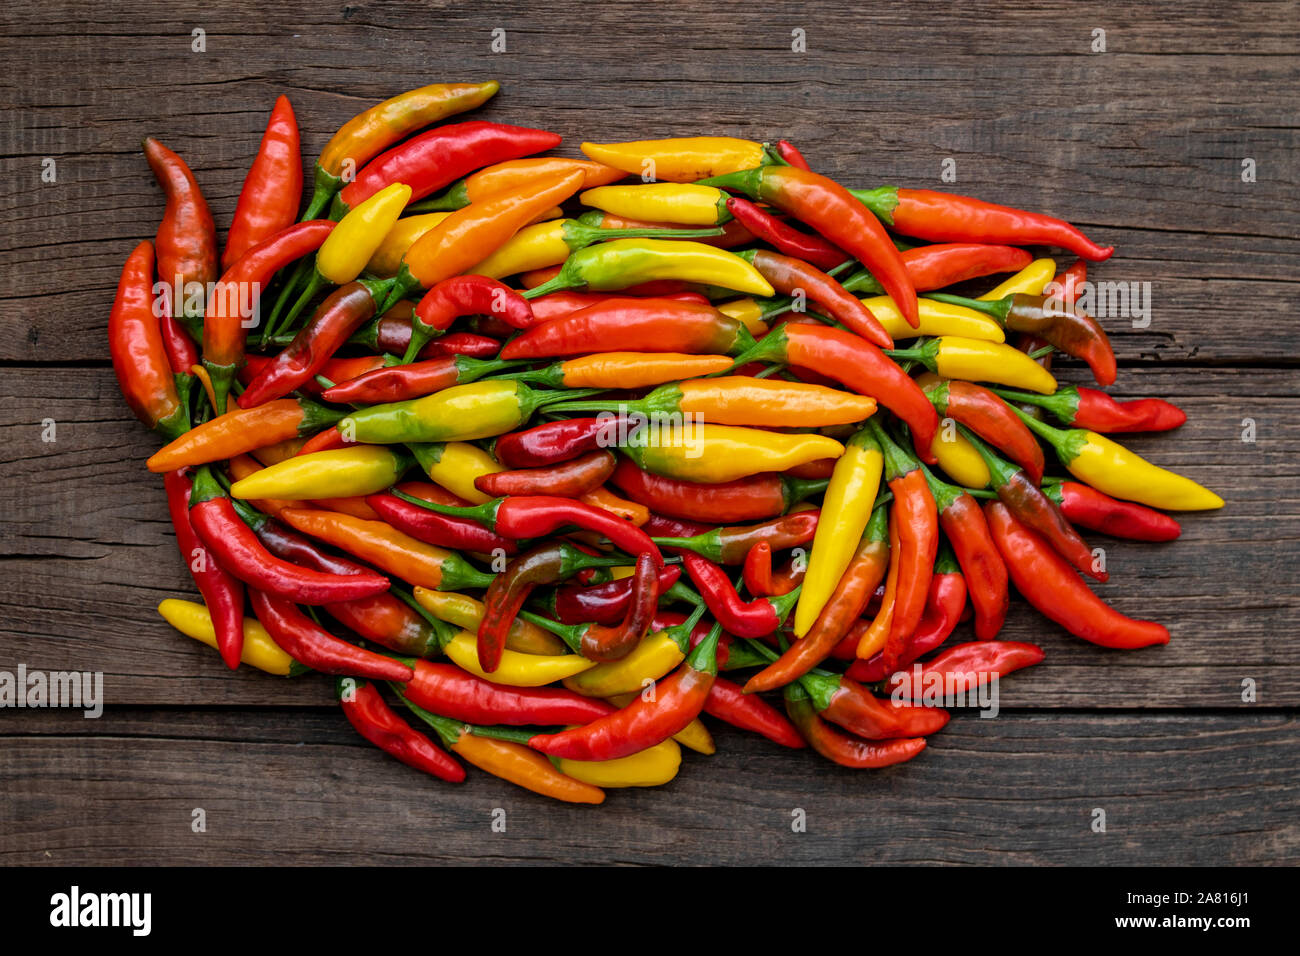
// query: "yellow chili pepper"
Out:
[387,258]
[515,669]
[972,360]
[937,318]
[747,312]
[336,473]
[652,767]
[717,453]
[260,651]
[455,465]
[685,203]
[533,247]
[846,509]
[679,160]
[958,457]
[347,249]
[620,263]
[467,613]
[694,735]
[657,654]
[1032,280]
[1116,471]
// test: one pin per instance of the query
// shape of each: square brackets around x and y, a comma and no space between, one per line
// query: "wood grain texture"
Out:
[1141,145]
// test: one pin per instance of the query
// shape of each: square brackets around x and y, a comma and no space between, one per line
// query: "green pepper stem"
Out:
[704,658]
[449,730]
[1061,404]
[484,514]
[898,462]
[997,309]
[571,634]
[680,634]
[680,592]
[1000,471]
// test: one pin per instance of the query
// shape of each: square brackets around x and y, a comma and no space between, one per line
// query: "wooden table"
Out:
[1143,145]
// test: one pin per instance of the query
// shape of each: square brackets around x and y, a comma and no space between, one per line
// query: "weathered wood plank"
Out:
[1019,789]
[89,553]
[1142,144]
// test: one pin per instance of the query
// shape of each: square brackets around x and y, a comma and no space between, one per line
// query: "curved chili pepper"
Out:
[790,276]
[222,592]
[306,642]
[187,237]
[945,217]
[399,383]
[570,479]
[551,443]
[758,575]
[602,603]
[367,711]
[465,295]
[1051,319]
[730,545]
[810,248]
[757,618]
[633,324]
[243,430]
[237,549]
[839,747]
[745,499]
[852,361]
[602,643]
[272,190]
[392,333]
[384,546]
[441,156]
[1088,408]
[845,702]
[917,519]
[1035,509]
[943,607]
[224,324]
[727,702]
[967,665]
[136,344]
[459,534]
[986,574]
[535,516]
[980,410]
[1086,506]
[677,700]
[454,693]
[834,212]
[1051,586]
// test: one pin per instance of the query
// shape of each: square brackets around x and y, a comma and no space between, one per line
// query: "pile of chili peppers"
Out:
[717,445]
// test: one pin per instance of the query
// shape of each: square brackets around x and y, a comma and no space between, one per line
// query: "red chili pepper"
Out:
[307,643]
[790,276]
[392,333]
[1083,407]
[556,304]
[966,665]
[756,618]
[1051,586]
[985,572]
[731,545]
[237,549]
[980,410]
[438,158]
[570,479]
[845,702]
[945,217]
[600,642]
[943,607]
[1039,512]
[182,353]
[758,496]
[269,200]
[834,212]
[460,534]
[728,702]
[811,248]
[632,324]
[222,592]
[676,701]
[839,747]
[917,520]
[787,151]
[187,236]
[367,711]
[460,695]
[551,443]
[1086,506]
[136,344]
[856,363]
[758,575]
[224,328]
[401,382]
[465,295]
[342,313]
[328,440]
[943,264]
[602,603]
